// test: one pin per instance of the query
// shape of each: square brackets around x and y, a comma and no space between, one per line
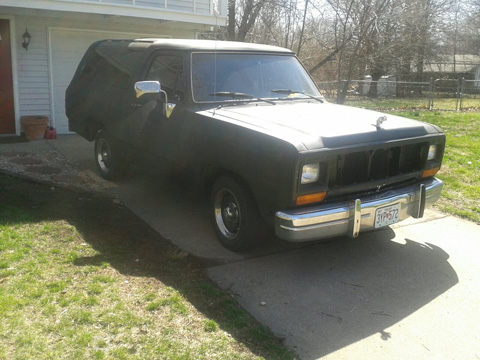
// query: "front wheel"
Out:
[235,215]
[107,159]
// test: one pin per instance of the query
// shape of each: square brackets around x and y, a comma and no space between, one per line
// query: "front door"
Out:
[158,141]
[7,113]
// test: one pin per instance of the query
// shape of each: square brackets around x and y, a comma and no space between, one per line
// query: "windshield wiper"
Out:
[239,95]
[287,91]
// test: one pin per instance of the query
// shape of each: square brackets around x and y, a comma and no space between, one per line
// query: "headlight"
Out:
[432,152]
[310,173]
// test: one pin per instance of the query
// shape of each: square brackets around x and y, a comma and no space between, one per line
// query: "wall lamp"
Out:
[26,39]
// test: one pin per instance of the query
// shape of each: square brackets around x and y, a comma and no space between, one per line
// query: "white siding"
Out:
[151,3]
[202,6]
[118,2]
[33,72]
[33,65]
[180,5]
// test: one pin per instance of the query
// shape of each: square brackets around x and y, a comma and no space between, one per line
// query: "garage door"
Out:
[67,49]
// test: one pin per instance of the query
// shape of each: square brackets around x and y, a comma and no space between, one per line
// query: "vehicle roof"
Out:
[207,45]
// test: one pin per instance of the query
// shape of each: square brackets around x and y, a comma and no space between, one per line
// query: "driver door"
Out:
[157,142]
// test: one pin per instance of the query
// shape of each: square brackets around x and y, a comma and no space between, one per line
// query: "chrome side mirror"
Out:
[147,87]
[154,87]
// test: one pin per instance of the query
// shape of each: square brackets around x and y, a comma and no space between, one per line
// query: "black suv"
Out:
[247,124]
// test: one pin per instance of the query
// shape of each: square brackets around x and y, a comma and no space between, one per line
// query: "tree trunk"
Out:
[373,91]
[342,91]
[231,20]
[303,28]
[249,17]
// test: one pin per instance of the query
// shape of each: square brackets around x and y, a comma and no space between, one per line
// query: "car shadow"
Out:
[327,296]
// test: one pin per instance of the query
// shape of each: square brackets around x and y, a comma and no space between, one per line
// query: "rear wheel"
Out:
[108,160]
[235,215]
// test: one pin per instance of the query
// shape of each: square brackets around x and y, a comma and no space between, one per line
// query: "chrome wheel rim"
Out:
[227,213]
[104,155]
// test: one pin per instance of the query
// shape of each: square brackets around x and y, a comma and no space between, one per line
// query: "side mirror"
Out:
[147,87]
[154,87]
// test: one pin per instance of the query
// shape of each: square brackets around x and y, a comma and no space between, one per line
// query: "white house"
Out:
[33,78]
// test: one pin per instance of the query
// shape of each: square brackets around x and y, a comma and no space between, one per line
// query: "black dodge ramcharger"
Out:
[247,124]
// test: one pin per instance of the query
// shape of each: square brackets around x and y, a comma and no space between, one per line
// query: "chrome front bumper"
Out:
[349,218]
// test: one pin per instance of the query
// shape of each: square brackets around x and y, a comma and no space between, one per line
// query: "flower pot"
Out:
[34,126]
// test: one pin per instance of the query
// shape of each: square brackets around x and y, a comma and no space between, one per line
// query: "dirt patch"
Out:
[26,161]
[74,179]
[13,139]
[52,168]
[17,154]
[44,170]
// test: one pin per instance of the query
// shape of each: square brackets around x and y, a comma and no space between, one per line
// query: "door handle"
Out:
[135,105]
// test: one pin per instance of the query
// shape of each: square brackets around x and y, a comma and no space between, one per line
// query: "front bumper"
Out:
[349,218]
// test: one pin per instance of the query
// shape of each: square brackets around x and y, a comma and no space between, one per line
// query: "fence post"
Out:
[457,95]
[430,96]
[462,89]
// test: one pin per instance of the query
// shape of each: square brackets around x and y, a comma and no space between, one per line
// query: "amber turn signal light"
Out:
[311,198]
[430,172]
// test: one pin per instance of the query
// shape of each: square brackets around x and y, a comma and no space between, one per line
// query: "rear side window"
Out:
[168,70]
[111,64]
[99,70]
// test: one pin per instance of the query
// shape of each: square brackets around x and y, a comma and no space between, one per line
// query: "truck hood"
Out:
[313,125]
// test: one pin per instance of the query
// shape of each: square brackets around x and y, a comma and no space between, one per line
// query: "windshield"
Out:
[258,75]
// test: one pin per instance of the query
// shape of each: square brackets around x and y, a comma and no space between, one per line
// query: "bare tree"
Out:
[344,39]
[242,19]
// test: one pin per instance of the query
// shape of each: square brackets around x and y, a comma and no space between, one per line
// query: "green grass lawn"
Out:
[411,104]
[461,164]
[83,278]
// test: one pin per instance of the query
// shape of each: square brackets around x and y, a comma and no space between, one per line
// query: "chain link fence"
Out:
[388,93]
[469,94]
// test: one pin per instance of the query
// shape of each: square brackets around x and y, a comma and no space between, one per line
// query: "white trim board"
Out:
[13,49]
[128,35]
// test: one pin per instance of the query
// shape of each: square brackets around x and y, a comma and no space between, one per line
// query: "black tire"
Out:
[235,214]
[107,158]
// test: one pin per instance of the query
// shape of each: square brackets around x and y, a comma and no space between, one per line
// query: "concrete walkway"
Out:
[407,292]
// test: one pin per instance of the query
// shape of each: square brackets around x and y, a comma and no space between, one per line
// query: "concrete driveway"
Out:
[410,291]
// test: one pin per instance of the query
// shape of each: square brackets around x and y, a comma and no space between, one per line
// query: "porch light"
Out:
[26,39]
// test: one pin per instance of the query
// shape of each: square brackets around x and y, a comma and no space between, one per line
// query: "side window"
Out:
[98,69]
[168,69]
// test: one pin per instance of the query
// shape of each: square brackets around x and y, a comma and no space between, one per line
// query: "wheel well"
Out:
[212,173]
[93,127]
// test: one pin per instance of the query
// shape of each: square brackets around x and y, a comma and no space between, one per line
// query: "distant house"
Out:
[476,72]
[467,66]
[33,78]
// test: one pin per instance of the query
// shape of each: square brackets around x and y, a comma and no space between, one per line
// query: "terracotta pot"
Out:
[34,126]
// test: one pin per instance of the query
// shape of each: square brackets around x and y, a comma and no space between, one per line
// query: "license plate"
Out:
[387,215]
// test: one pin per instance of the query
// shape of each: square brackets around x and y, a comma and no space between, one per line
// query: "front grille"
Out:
[370,165]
